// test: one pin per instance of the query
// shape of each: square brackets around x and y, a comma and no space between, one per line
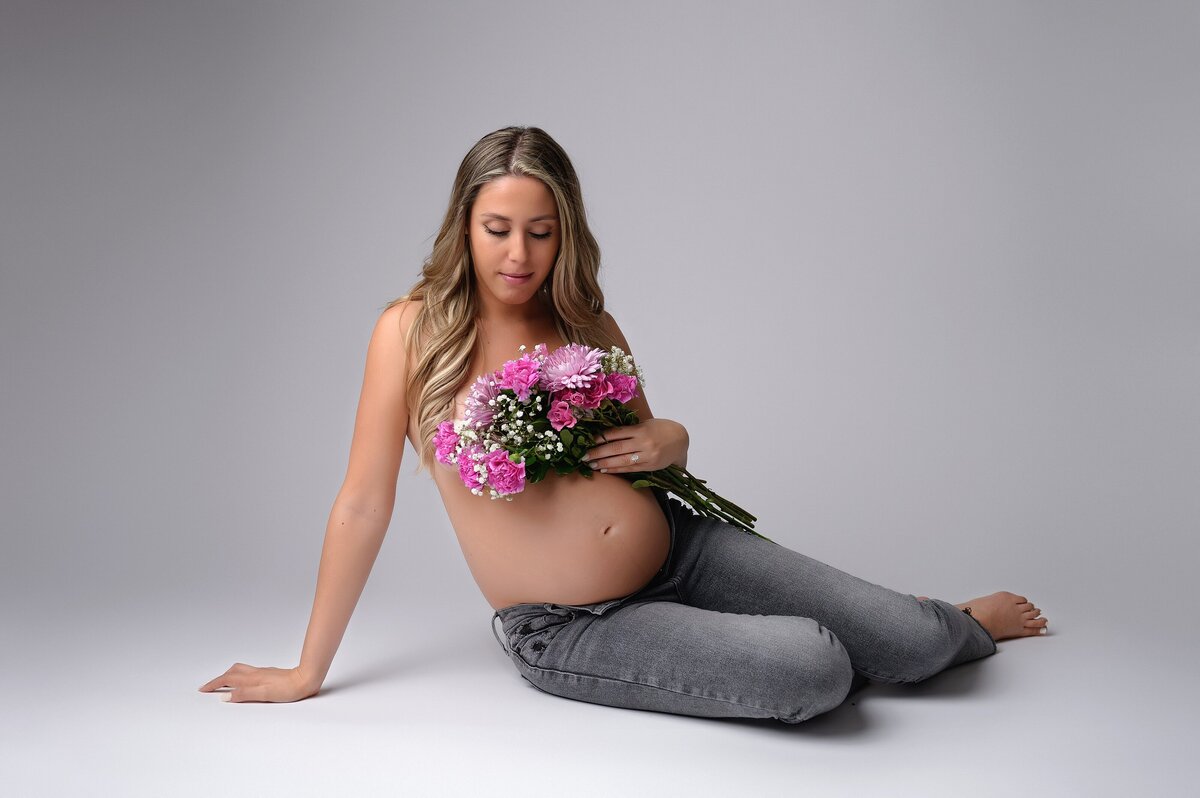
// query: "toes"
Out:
[1036,623]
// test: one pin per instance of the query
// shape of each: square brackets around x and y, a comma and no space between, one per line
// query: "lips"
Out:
[517,279]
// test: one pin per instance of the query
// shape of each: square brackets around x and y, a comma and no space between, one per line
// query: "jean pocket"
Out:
[530,637]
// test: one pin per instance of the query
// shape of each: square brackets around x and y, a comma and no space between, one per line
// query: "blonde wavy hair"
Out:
[443,339]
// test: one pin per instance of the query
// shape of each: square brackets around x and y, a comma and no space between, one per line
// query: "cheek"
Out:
[482,251]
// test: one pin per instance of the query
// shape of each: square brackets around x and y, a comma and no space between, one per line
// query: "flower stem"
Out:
[696,493]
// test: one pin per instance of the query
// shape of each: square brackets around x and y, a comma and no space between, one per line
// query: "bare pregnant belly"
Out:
[566,540]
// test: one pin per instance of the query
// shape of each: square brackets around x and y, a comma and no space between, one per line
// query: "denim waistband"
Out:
[600,607]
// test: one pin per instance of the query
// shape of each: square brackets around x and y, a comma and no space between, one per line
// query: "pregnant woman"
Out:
[603,593]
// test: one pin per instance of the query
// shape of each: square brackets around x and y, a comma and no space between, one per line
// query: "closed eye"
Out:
[501,233]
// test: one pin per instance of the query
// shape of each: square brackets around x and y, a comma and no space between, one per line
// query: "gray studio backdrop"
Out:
[920,279]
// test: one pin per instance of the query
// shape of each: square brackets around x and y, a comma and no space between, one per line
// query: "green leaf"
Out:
[642,483]
[566,437]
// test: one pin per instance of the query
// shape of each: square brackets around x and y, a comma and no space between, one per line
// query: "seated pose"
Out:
[603,592]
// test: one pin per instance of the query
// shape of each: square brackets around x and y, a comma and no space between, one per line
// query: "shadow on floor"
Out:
[847,719]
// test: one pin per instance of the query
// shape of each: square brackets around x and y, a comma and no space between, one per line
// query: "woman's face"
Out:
[514,235]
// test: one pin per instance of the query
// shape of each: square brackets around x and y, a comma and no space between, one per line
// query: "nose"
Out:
[516,248]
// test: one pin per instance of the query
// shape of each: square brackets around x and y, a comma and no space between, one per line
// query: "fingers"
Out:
[614,434]
[618,462]
[617,455]
[253,692]
[237,690]
[222,681]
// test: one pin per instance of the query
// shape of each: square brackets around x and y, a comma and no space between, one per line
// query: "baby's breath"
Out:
[616,361]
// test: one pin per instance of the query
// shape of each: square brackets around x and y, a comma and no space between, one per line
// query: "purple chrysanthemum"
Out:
[571,366]
[479,412]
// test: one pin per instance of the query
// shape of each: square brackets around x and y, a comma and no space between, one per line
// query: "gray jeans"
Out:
[736,626]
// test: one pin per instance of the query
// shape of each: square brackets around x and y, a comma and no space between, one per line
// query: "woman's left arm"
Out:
[649,445]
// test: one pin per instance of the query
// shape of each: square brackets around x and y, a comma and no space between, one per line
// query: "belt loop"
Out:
[503,647]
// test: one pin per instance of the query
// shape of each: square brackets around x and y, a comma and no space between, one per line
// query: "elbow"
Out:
[683,447]
[365,507]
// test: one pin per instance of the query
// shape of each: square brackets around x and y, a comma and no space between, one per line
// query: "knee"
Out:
[819,676]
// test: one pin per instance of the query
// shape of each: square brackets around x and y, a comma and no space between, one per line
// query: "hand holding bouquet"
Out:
[542,412]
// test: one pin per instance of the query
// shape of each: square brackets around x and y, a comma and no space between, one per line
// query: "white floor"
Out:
[103,701]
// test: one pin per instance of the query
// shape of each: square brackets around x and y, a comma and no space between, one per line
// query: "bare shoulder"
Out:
[614,331]
[400,317]
[392,330]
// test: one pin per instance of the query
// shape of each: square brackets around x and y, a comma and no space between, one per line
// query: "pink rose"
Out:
[573,398]
[596,393]
[623,387]
[467,459]
[560,415]
[521,375]
[445,441]
[504,475]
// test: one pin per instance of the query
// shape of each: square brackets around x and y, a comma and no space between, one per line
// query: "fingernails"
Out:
[585,457]
[602,470]
[594,466]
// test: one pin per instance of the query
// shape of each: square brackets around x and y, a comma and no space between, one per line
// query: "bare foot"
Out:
[1006,615]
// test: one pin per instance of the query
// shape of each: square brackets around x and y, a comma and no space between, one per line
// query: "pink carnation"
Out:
[560,415]
[522,376]
[624,386]
[466,466]
[445,441]
[504,475]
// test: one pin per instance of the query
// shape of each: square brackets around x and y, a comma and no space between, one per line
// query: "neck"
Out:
[536,310]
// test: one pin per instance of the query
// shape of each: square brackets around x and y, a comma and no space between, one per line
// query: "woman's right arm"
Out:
[357,523]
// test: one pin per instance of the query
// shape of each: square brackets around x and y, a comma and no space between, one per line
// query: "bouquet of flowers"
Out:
[542,411]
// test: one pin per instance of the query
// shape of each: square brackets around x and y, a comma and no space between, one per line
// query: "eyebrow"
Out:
[542,218]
